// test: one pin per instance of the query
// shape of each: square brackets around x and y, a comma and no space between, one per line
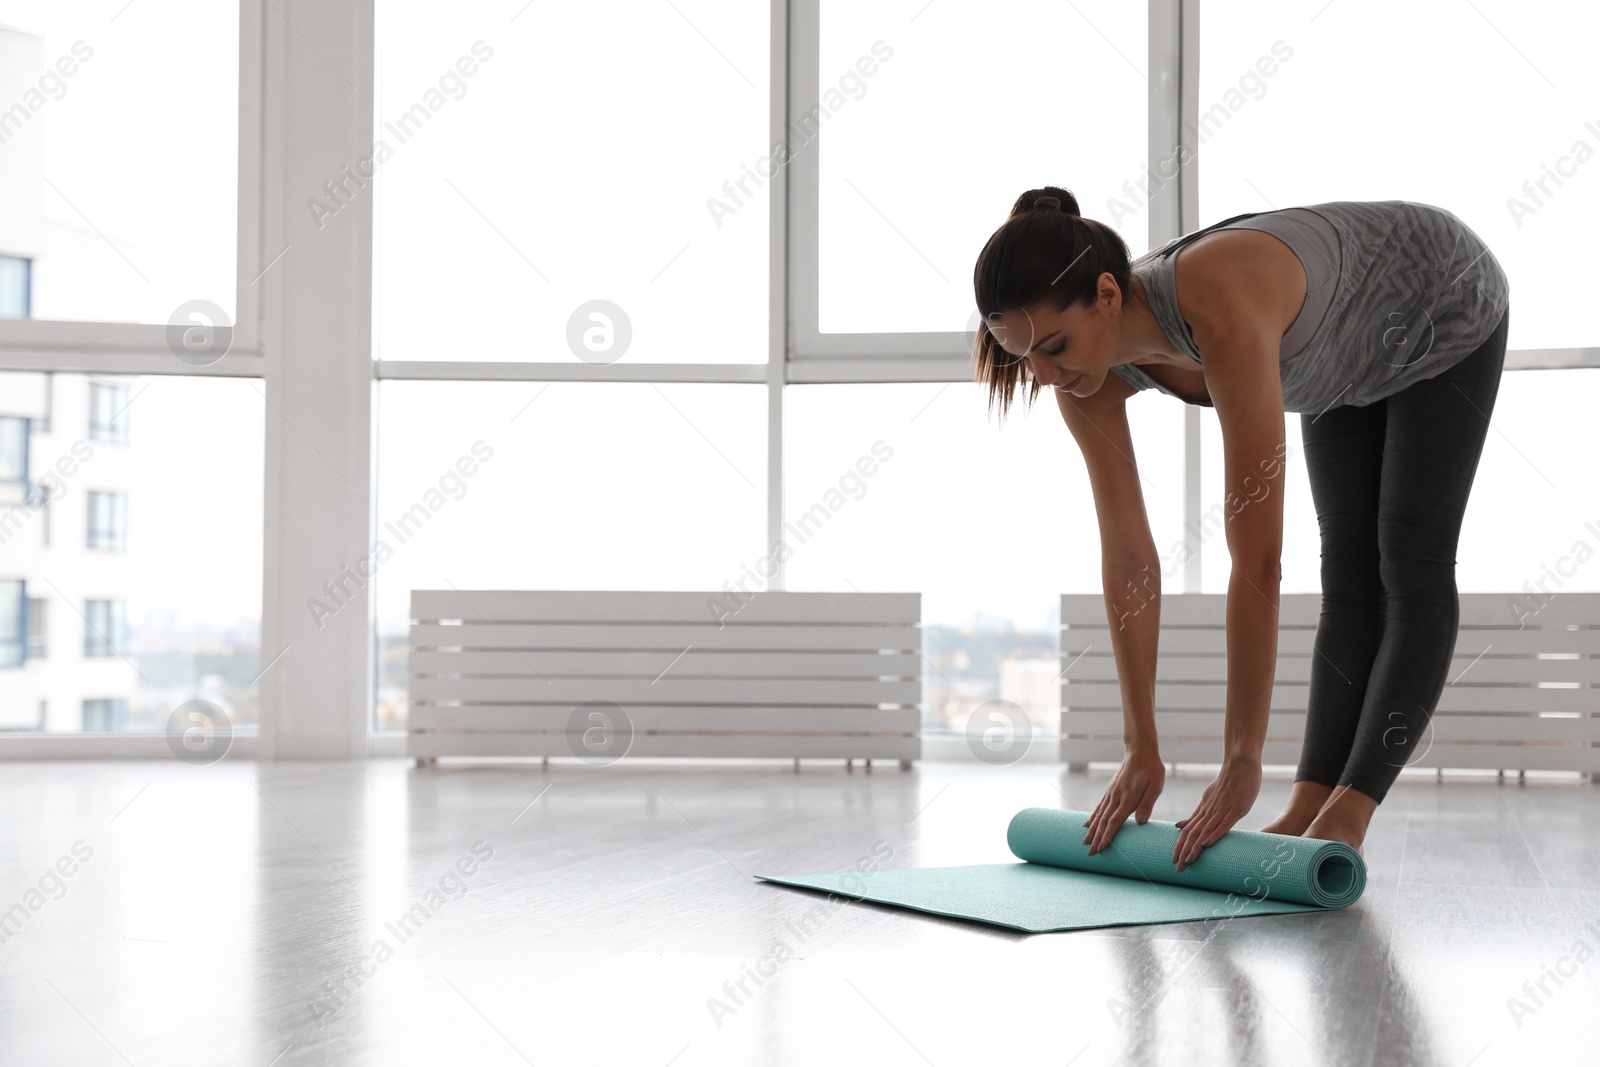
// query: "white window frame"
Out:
[141,348]
[123,348]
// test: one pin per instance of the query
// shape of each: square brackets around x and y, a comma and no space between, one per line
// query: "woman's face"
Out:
[1070,350]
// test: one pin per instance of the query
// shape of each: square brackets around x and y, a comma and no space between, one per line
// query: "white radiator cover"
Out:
[607,674]
[1517,697]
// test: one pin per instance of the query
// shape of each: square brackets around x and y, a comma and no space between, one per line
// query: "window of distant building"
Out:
[105,716]
[16,287]
[108,415]
[108,521]
[38,628]
[105,629]
[13,622]
[13,450]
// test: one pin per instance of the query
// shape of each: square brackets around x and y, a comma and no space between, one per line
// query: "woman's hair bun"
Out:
[1049,197]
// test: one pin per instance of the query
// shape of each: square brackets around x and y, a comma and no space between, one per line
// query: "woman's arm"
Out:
[1130,574]
[1133,612]
[1240,356]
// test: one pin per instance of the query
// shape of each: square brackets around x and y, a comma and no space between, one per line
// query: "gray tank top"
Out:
[1397,292]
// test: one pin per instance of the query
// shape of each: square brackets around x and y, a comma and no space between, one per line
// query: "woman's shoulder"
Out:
[1237,277]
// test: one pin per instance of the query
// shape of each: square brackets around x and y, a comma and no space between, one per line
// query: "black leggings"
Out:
[1390,482]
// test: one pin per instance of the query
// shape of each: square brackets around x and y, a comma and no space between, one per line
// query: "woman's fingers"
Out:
[1205,836]
[1099,835]
[1118,816]
[1094,821]
[1183,834]
[1185,851]
[1103,824]
[1108,829]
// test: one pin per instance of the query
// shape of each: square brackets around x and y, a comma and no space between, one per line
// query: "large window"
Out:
[571,182]
[1530,522]
[905,150]
[123,214]
[1530,515]
[1493,120]
[572,485]
[935,117]
[574,261]
[990,522]
[1274,135]
[118,146]
[155,611]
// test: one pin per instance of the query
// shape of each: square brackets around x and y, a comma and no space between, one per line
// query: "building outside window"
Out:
[105,629]
[108,415]
[108,521]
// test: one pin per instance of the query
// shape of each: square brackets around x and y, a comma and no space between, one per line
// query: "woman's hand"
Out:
[1133,788]
[1225,802]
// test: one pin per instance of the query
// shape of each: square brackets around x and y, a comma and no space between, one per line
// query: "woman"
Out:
[1383,324]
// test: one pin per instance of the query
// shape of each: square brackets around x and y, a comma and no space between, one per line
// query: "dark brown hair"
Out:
[1043,251]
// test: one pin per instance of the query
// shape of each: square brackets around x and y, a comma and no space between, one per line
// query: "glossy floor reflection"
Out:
[372,913]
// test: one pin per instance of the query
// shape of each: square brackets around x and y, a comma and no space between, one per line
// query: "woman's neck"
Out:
[1146,340]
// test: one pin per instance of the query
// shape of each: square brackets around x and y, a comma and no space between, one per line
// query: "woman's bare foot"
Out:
[1344,818]
[1305,802]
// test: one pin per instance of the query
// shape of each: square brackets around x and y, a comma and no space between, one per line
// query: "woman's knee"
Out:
[1418,582]
[1351,575]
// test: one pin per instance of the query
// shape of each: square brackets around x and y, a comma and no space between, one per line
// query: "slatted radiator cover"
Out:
[1516,697]
[602,674]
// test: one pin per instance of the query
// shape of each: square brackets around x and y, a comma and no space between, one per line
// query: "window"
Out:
[1511,86]
[1530,522]
[991,522]
[105,631]
[15,283]
[81,85]
[572,261]
[105,715]
[108,417]
[13,452]
[922,159]
[13,622]
[1529,517]
[672,480]
[108,521]
[38,628]
[182,586]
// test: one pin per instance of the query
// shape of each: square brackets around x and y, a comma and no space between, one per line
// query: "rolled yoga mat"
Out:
[1059,886]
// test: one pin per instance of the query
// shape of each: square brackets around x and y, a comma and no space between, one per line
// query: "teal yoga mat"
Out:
[1059,886]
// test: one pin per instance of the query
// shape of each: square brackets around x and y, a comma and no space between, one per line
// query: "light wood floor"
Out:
[221,912]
